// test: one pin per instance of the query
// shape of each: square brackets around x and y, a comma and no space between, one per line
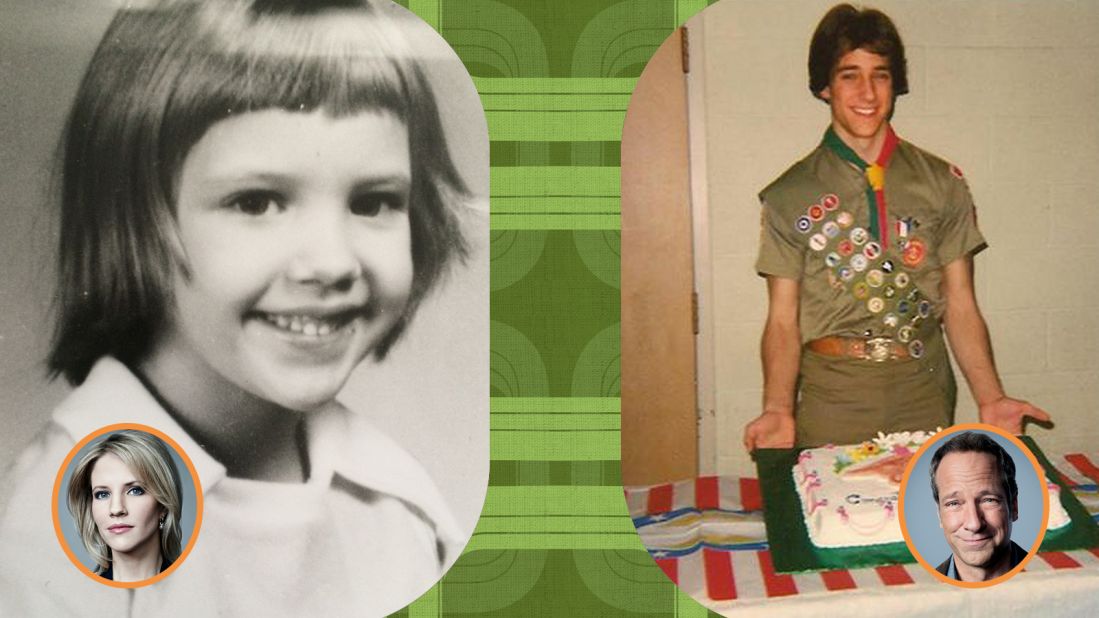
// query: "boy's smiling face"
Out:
[294,230]
[860,95]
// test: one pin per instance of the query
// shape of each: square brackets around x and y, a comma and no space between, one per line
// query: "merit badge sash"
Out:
[859,260]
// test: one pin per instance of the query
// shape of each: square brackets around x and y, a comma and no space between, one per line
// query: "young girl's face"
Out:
[295,234]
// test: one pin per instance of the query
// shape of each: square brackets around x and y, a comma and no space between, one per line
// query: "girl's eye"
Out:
[101,495]
[136,491]
[374,204]
[256,203]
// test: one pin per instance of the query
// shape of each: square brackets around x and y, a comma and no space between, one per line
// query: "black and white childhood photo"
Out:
[259,227]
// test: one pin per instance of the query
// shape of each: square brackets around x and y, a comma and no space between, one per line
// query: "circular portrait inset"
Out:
[974,505]
[127,505]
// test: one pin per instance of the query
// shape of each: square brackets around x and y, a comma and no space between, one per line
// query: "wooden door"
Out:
[659,425]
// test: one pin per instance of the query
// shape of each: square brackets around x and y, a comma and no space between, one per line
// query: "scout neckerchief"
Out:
[875,176]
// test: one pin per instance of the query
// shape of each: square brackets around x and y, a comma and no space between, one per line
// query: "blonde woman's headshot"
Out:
[125,505]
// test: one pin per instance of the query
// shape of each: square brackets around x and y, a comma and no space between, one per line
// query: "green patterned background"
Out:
[555,77]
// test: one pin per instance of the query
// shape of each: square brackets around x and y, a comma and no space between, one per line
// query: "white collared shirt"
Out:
[366,535]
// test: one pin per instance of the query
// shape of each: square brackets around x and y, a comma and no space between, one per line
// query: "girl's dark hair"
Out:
[844,29]
[162,75]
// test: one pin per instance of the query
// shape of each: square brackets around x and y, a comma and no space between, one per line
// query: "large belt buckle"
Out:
[879,349]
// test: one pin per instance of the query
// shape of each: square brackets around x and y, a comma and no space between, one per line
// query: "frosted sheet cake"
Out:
[848,494]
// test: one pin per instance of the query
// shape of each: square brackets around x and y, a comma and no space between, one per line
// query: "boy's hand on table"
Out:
[770,430]
[1010,414]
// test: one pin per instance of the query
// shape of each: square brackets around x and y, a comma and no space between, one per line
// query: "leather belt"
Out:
[877,349]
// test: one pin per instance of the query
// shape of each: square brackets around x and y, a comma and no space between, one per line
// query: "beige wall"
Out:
[1009,92]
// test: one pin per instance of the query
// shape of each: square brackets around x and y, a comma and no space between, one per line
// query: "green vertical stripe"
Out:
[429,11]
[429,605]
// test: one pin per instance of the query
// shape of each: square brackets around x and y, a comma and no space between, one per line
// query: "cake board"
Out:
[793,552]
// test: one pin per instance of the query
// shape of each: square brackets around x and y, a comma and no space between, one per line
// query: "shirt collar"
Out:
[951,572]
[1017,556]
[110,395]
[339,443]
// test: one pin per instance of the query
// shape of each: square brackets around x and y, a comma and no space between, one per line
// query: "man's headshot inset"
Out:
[973,505]
[973,484]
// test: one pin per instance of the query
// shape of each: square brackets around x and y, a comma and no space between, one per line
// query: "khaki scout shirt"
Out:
[812,217]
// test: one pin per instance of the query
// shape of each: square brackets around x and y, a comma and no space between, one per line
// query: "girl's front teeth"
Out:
[301,324]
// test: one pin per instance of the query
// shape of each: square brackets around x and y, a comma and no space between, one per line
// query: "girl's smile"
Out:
[296,251]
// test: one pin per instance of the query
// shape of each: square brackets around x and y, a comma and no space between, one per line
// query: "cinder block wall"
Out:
[1009,91]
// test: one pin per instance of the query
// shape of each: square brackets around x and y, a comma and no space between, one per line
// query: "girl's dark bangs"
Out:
[213,86]
[339,86]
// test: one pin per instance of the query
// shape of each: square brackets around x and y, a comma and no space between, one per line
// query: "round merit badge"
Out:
[830,201]
[833,259]
[924,308]
[831,229]
[846,274]
[816,212]
[803,224]
[845,248]
[859,235]
[905,334]
[859,262]
[860,290]
[889,291]
[914,253]
[891,320]
[875,278]
[916,348]
[845,219]
[903,307]
[818,241]
[901,280]
[875,305]
[887,266]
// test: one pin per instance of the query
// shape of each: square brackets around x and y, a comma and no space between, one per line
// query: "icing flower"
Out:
[863,451]
[842,461]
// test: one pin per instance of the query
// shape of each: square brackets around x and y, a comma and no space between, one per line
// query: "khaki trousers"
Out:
[848,400]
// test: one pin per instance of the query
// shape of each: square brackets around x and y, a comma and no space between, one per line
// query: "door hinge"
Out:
[694,312]
[684,50]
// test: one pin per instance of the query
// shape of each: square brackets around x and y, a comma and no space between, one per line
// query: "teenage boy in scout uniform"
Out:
[867,245]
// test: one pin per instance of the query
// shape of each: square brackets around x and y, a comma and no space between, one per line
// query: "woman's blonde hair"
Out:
[149,460]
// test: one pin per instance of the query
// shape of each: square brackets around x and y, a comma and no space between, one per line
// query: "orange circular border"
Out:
[57,517]
[1041,483]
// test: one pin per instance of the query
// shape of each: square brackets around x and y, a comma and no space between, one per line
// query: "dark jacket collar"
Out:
[1018,554]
